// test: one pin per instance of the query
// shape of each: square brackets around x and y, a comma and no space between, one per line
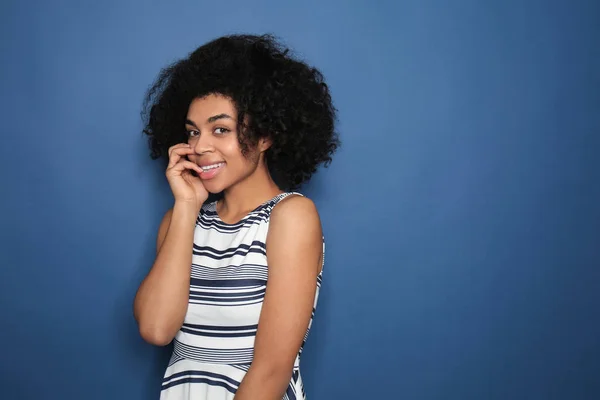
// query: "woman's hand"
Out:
[186,187]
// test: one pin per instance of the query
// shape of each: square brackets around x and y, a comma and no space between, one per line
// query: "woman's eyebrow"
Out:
[190,122]
[219,116]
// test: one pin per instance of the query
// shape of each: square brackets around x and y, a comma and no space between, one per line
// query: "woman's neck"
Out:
[248,194]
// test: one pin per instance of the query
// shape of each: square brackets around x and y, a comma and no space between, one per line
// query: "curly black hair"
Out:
[279,96]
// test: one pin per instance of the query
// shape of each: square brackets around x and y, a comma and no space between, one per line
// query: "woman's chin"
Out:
[213,189]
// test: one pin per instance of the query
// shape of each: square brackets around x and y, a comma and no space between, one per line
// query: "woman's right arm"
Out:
[161,301]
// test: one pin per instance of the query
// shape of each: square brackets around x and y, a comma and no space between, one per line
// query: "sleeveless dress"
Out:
[214,348]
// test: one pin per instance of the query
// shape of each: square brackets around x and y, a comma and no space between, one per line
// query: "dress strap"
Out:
[275,200]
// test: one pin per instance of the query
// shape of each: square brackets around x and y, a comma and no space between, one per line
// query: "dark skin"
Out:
[294,244]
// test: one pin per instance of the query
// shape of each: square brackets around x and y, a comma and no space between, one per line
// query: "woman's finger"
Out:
[184,164]
[178,153]
[177,146]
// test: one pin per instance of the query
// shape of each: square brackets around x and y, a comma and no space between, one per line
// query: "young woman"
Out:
[235,281]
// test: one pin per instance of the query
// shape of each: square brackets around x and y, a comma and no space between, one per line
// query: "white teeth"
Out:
[209,167]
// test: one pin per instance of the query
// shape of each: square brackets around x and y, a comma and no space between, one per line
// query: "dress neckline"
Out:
[261,205]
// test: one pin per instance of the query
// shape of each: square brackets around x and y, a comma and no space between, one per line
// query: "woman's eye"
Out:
[192,133]
[221,131]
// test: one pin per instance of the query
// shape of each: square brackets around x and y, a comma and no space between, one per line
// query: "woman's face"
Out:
[212,132]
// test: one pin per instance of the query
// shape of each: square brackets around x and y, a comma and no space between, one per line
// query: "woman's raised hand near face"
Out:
[161,301]
[186,187]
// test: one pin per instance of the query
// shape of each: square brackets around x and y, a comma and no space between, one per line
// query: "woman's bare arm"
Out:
[294,255]
[162,299]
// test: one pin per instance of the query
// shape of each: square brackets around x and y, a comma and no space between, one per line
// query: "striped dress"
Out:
[214,348]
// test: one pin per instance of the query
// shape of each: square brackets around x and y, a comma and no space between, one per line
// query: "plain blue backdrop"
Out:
[462,213]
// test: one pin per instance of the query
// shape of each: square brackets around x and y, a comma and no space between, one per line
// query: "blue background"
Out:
[462,213]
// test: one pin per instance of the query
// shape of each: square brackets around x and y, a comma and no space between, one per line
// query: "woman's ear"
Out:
[264,143]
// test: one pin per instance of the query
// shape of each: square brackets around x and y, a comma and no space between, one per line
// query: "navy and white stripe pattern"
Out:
[214,348]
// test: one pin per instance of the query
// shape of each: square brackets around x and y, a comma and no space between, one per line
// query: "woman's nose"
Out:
[202,144]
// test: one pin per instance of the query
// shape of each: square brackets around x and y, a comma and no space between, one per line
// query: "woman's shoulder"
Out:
[295,229]
[294,208]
